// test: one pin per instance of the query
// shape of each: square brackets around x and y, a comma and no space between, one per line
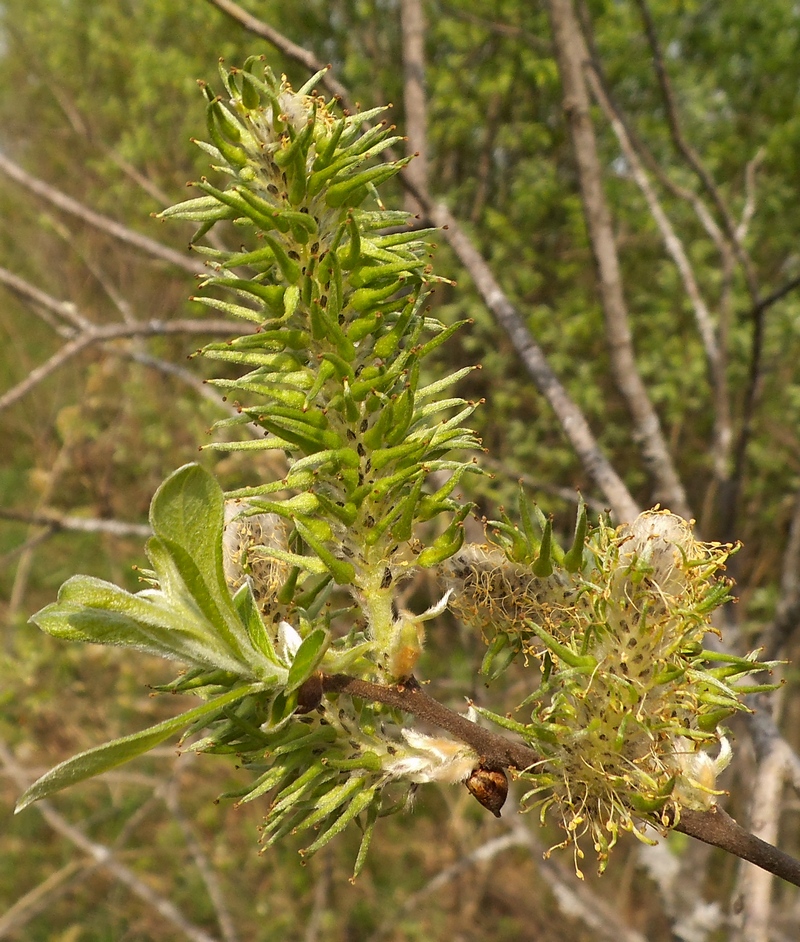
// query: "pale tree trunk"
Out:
[572,57]
[412,21]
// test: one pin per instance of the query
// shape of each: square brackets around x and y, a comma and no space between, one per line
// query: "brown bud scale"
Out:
[490,787]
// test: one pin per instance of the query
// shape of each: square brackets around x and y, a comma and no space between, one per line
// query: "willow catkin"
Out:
[247,542]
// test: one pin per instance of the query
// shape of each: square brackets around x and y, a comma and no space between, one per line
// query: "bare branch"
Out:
[568,495]
[480,855]
[101,334]
[723,432]
[315,926]
[42,896]
[575,898]
[750,194]
[499,28]
[26,548]
[28,292]
[171,797]
[690,155]
[731,491]
[55,521]
[787,614]
[572,57]
[110,226]
[184,376]
[672,243]
[297,53]
[103,856]
[755,885]
[572,420]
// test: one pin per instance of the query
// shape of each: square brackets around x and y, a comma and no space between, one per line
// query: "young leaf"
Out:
[109,756]
[309,654]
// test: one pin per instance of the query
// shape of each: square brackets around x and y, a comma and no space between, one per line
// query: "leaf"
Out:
[309,654]
[248,611]
[187,515]
[356,806]
[91,610]
[109,756]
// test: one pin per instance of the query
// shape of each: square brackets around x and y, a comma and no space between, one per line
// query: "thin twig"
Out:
[723,432]
[689,154]
[28,546]
[755,885]
[572,57]
[55,521]
[43,896]
[187,377]
[110,226]
[569,495]
[322,887]
[496,751]
[297,53]
[672,243]
[102,334]
[573,422]
[750,194]
[28,292]
[480,855]
[575,898]
[103,856]
[171,796]
[731,492]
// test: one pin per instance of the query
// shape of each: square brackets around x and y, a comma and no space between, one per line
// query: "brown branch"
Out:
[718,828]
[110,226]
[496,751]
[572,57]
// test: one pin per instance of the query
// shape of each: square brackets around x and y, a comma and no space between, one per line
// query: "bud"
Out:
[489,787]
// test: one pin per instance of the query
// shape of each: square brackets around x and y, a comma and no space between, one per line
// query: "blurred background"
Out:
[694,107]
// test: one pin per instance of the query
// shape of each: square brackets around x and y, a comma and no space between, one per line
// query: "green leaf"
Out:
[357,805]
[109,756]
[309,654]
[187,515]
[91,610]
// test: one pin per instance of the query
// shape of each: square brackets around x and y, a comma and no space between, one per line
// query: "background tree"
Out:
[684,121]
